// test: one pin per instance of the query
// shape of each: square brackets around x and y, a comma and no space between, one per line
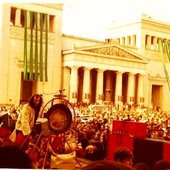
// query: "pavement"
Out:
[68,162]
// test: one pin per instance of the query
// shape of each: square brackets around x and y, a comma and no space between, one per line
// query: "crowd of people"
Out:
[158,122]
[89,131]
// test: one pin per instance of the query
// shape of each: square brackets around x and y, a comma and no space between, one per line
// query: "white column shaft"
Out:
[118,84]
[118,91]
[140,93]
[148,42]
[73,84]
[133,41]
[131,88]
[86,85]
[155,43]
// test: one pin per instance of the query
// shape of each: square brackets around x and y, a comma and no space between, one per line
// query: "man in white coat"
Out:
[26,119]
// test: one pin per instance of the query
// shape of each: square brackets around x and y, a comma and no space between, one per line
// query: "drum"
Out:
[59,118]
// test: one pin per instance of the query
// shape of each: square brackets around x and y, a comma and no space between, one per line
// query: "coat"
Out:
[25,122]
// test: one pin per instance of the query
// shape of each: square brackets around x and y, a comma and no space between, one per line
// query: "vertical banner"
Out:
[41,47]
[46,46]
[31,47]
[162,49]
[168,49]
[36,46]
[38,38]
[25,46]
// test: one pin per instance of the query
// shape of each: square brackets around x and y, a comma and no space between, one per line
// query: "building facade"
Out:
[14,89]
[126,68]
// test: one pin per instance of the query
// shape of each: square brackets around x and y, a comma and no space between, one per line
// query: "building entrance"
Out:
[157,96]
[27,89]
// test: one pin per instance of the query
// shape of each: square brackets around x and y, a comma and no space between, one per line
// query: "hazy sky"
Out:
[91,18]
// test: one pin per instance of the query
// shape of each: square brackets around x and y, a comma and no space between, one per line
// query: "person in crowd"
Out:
[90,149]
[90,145]
[124,155]
[162,165]
[26,120]
[141,166]
[11,156]
[107,165]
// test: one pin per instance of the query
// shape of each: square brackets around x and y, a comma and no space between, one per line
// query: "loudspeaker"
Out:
[135,129]
[147,151]
[166,152]
[117,140]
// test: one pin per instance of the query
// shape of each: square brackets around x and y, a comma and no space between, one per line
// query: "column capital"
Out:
[87,68]
[119,72]
[131,74]
[141,75]
[100,70]
[74,66]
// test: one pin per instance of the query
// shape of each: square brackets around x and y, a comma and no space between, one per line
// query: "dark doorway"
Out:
[93,81]
[124,87]
[80,84]
[157,96]
[27,88]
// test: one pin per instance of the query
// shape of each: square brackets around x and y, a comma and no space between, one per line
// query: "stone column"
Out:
[140,91]
[123,41]
[99,87]
[127,41]
[148,41]
[86,85]
[133,42]
[131,88]
[18,17]
[73,84]
[118,91]
[155,43]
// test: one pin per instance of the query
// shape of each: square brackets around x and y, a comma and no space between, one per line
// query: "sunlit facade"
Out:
[124,69]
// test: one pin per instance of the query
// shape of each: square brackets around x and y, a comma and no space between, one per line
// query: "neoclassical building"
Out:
[125,68]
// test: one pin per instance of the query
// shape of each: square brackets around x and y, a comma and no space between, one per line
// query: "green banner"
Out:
[46,46]
[31,47]
[162,44]
[41,47]
[168,49]
[36,47]
[25,46]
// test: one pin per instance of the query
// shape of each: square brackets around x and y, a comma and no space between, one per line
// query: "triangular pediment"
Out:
[113,50]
